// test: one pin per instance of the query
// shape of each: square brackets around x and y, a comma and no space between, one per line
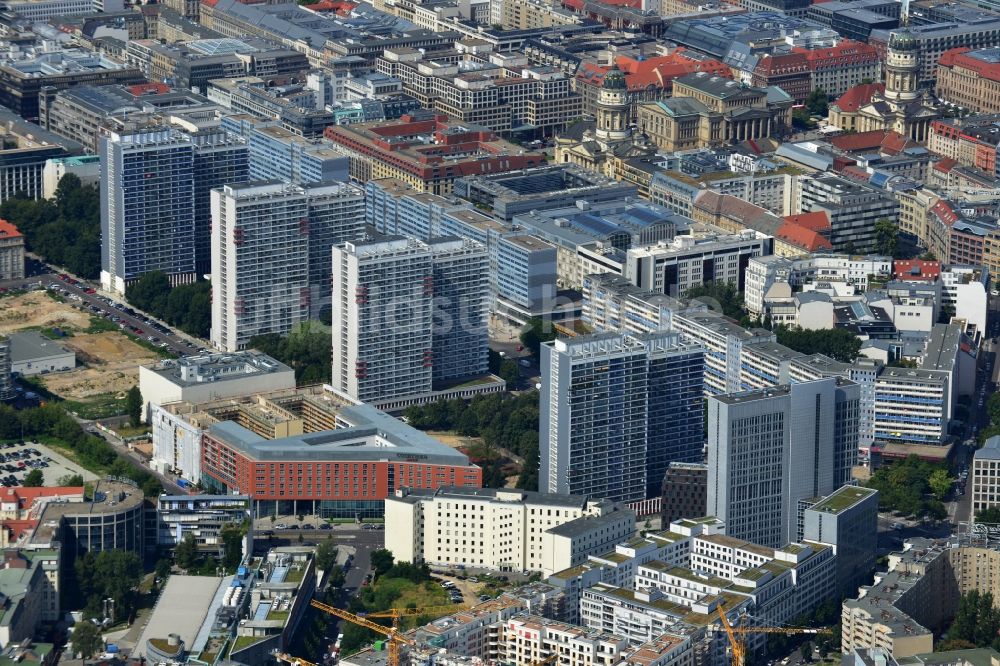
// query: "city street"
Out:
[39,274]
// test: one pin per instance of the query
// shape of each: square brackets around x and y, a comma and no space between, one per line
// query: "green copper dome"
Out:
[615,79]
[903,41]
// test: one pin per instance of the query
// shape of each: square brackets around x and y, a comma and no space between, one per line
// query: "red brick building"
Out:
[346,472]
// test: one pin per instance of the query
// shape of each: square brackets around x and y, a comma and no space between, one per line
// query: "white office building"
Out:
[210,377]
[674,267]
[985,475]
[506,529]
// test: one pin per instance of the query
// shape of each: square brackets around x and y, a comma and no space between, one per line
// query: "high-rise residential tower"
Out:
[461,305]
[408,316]
[336,215]
[383,291]
[147,207]
[260,261]
[769,449]
[616,410]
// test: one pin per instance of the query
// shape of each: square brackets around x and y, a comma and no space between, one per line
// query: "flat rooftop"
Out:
[371,434]
[108,497]
[181,609]
[843,499]
[197,370]
[32,345]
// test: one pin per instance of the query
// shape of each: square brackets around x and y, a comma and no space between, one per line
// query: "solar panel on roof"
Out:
[595,224]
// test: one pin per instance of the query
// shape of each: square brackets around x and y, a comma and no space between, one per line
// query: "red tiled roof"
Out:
[8,230]
[959,58]
[925,270]
[890,142]
[858,96]
[788,63]
[945,164]
[25,497]
[656,72]
[896,143]
[816,221]
[845,54]
[803,237]
[18,527]
[149,89]
[340,7]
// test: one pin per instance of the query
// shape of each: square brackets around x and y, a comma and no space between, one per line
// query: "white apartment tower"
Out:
[260,261]
[383,292]
[771,448]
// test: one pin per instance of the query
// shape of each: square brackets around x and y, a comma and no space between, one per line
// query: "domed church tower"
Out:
[612,108]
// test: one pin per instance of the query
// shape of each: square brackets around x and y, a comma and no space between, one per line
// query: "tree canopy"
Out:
[906,487]
[990,515]
[306,349]
[65,230]
[977,621]
[87,640]
[186,306]
[110,574]
[54,424]
[722,293]
[886,237]
[818,102]
[837,343]
[535,333]
[133,406]
[34,479]
[501,420]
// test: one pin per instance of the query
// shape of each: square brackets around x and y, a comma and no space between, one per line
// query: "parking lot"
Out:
[17,460]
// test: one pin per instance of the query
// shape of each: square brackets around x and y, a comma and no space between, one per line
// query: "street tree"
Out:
[87,640]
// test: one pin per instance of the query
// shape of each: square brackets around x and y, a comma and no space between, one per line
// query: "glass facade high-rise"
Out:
[147,207]
[771,448]
[616,410]
[220,158]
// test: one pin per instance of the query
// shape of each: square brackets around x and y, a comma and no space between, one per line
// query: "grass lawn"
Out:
[129,431]
[66,451]
[412,594]
[99,325]
[276,615]
[294,575]
[99,407]
[245,642]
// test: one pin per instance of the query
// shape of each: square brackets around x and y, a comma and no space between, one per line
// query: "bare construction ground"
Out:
[37,310]
[112,366]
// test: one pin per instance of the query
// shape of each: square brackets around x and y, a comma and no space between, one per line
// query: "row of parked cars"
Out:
[453,592]
[18,463]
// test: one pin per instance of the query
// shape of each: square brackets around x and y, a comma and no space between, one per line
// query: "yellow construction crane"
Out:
[294,661]
[737,635]
[392,633]
[395,639]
